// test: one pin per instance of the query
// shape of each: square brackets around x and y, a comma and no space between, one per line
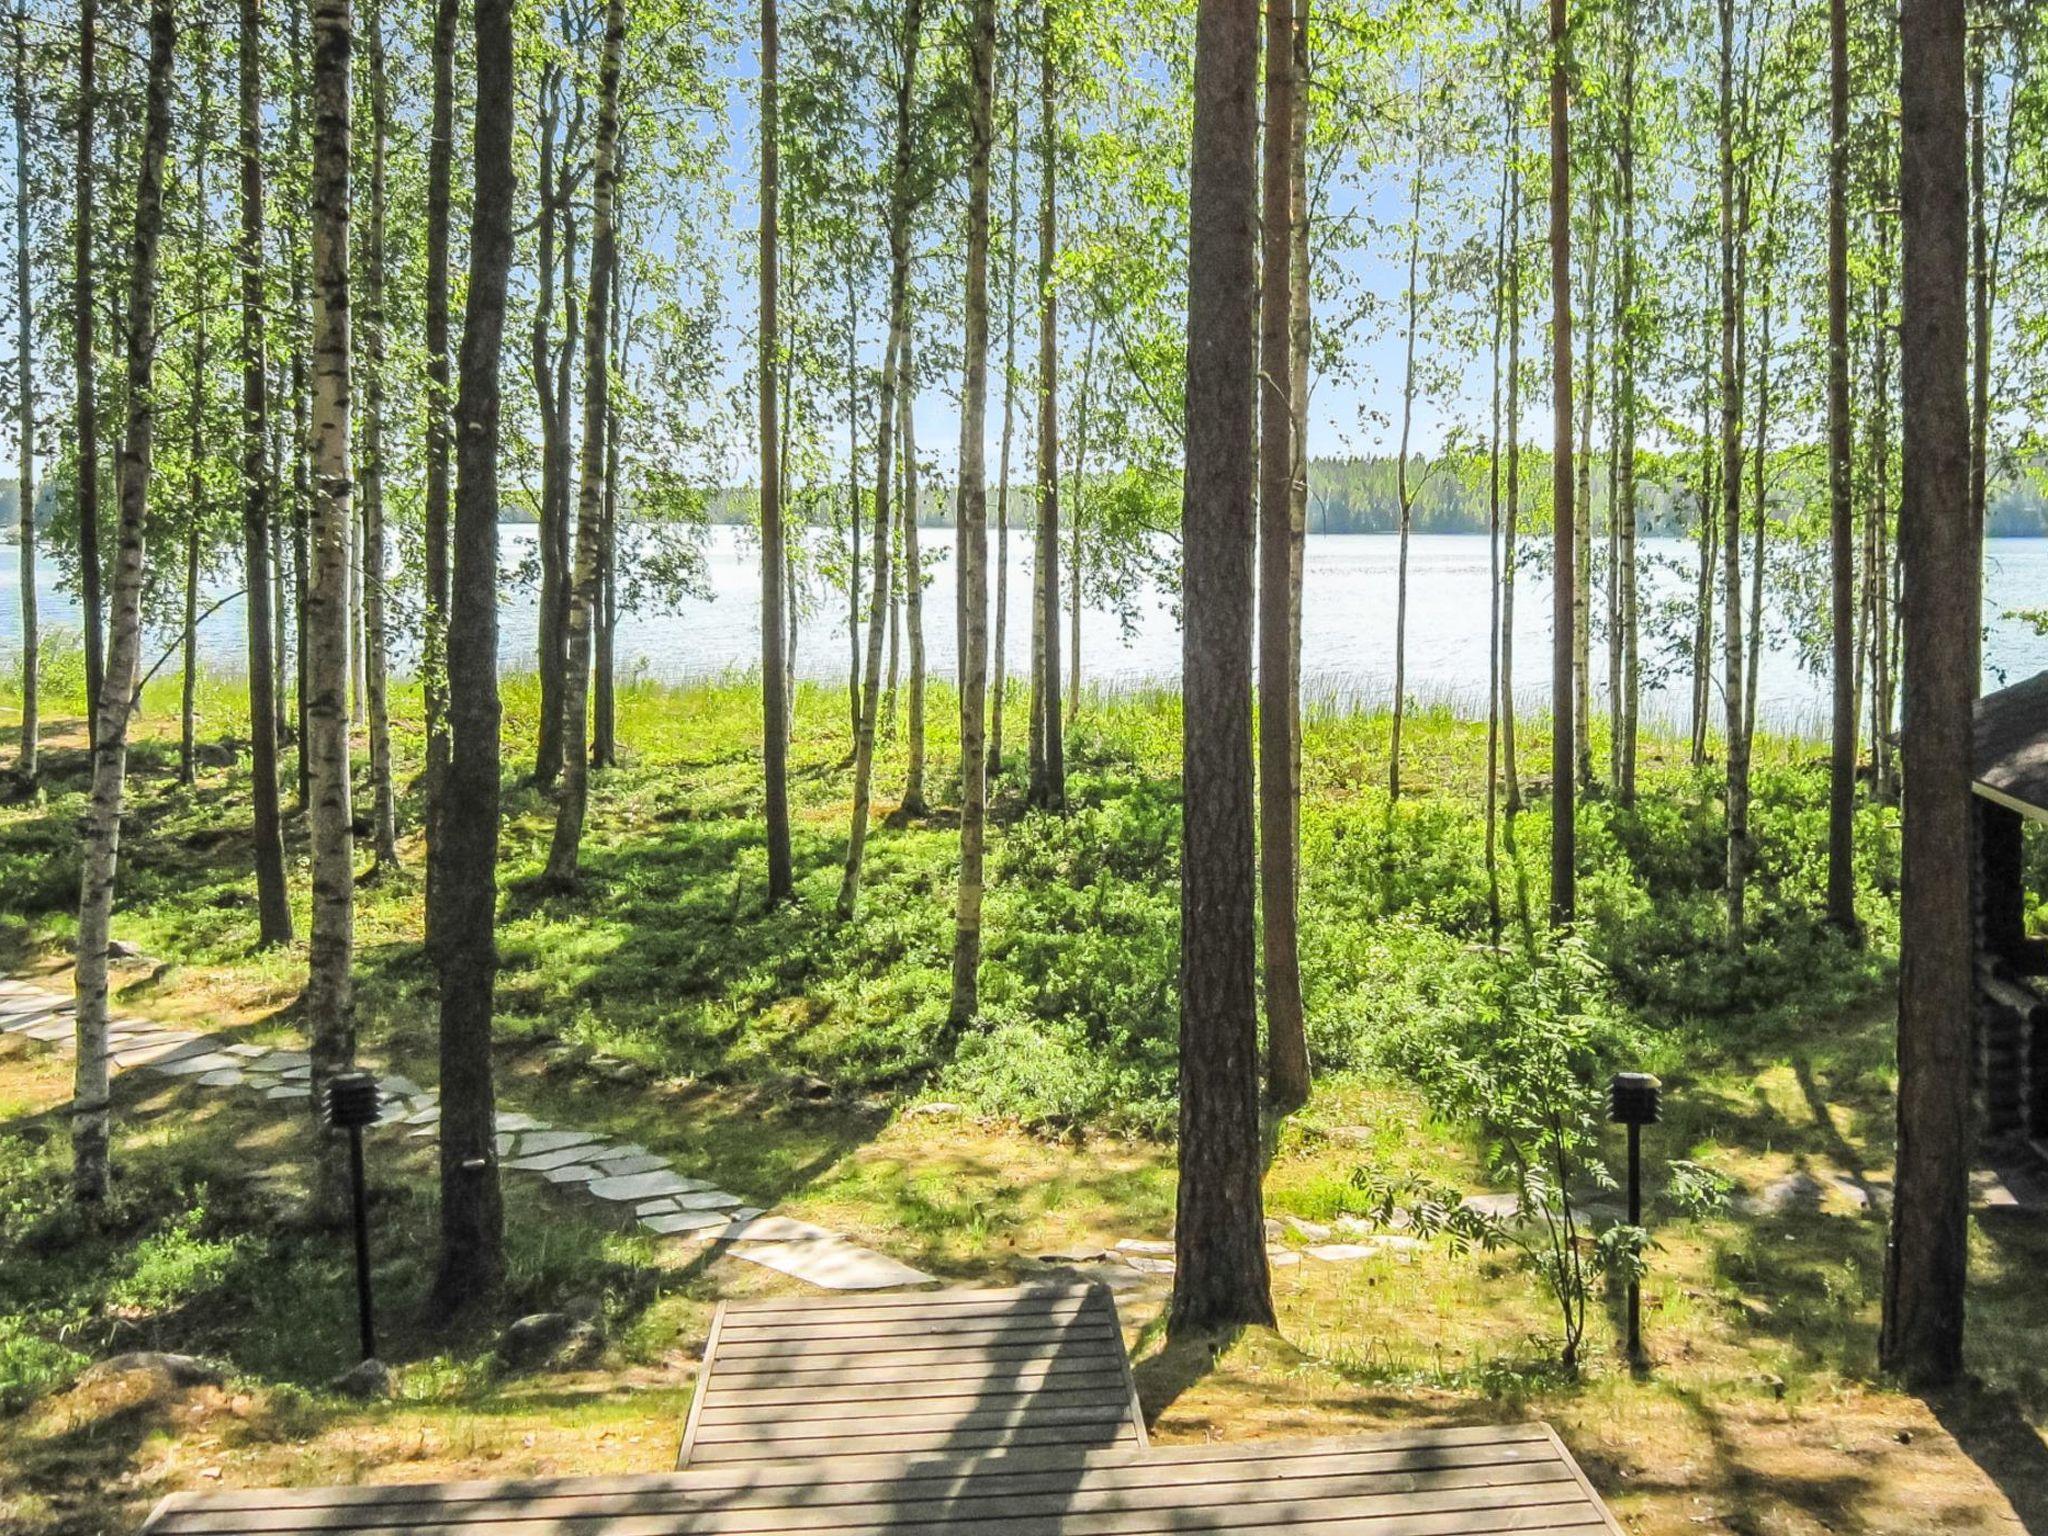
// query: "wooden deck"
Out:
[918,1373]
[1449,1482]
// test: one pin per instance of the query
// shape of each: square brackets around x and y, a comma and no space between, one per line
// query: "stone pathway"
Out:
[621,1175]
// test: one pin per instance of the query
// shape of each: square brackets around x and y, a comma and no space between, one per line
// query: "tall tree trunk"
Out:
[999,646]
[554,461]
[1563,811]
[376,651]
[1511,779]
[1587,385]
[774,586]
[853,678]
[195,467]
[438,397]
[1221,1278]
[583,591]
[1076,519]
[1049,766]
[273,900]
[301,436]
[1926,1261]
[472,1209]
[85,422]
[604,730]
[1280,462]
[1493,560]
[89,1094]
[1732,295]
[1841,518]
[913,586]
[972,522]
[1404,494]
[329,1000]
[1884,593]
[1627,334]
[26,764]
[885,461]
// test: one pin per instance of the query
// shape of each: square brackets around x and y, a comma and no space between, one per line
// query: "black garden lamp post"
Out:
[351,1106]
[1633,1100]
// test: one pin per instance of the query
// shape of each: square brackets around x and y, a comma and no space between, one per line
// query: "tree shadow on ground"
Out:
[1995,1432]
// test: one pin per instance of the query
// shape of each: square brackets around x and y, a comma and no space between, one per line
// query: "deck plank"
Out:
[1455,1482]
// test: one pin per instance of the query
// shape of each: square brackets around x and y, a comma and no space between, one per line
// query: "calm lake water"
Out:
[1347,625]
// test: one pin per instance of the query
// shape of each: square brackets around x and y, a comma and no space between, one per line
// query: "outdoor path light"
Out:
[1634,1100]
[352,1105]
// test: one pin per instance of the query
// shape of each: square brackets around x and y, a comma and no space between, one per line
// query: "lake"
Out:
[1347,623]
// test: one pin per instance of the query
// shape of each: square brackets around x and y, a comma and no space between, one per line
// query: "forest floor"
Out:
[805,1065]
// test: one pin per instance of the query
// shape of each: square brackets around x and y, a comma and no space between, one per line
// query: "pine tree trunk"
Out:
[273,901]
[195,489]
[329,1001]
[102,840]
[1926,1261]
[1221,1278]
[1511,779]
[301,436]
[885,462]
[472,1209]
[376,651]
[1586,385]
[438,399]
[973,529]
[583,591]
[1281,462]
[853,679]
[1049,768]
[188,693]
[27,764]
[85,421]
[1493,510]
[1076,520]
[1841,896]
[913,585]
[1884,594]
[1563,828]
[604,730]
[774,579]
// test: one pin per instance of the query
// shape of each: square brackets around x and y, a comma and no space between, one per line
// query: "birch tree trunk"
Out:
[1841,896]
[329,1001]
[1926,1261]
[89,1107]
[472,1208]
[1281,463]
[972,521]
[273,900]
[1628,332]
[1587,386]
[26,764]
[1731,499]
[554,463]
[85,419]
[1049,768]
[1563,809]
[1511,779]
[1403,492]
[438,397]
[376,652]
[1221,1278]
[885,462]
[583,591]
[774,582]
[999,647]
[913,584]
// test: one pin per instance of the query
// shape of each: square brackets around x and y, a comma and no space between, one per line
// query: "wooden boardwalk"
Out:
[927,1372]
[1447,1482]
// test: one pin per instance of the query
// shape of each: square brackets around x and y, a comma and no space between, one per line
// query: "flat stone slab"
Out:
[288,1091]
[196,1066]
[771,1229]
[224,1077]
[253,1052]
[539,1162]
[535,1142]
[620,1167]
[519,1122]
[1144,1246]
[832,1263]
[574,1173]
[636,1187]
[681,1223]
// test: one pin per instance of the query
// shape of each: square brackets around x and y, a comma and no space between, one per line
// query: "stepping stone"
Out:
[770,1229]
[626,1149]
[573,1173]
[619,1167]
[703,1200]
[517,1122]
[636,1187]
[540,1162]
[52,1032]
[194,1066]
[685,1223]
[399,1086]
[1146,1264]
[224,1077]
[832,1263]
[289,1091]
[664,1207]
[1501,1207]
[252,1052]
[1309,1231]
[1344,1253]
[554,1141]
[282,1059]
[1282,1258]
[190,1045]
[1140,1245]
[298,1072]
[424,1116]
